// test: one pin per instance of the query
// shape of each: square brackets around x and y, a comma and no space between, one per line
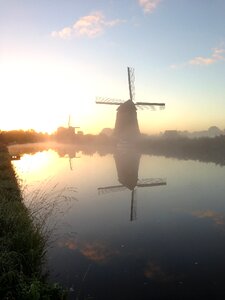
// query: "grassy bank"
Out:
[22,246]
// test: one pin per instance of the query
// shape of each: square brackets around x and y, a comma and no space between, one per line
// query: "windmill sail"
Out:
[131,79]
[104,100]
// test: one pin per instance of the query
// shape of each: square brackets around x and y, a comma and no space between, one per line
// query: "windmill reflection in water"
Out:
[127,165]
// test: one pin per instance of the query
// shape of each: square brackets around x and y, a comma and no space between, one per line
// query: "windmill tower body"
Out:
[126,126]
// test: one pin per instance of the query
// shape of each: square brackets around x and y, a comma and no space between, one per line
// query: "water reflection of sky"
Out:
[173,250]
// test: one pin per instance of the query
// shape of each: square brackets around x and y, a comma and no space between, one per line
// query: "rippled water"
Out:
[129,226]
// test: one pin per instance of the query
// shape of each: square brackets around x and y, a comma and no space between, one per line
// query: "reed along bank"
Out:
[22,245]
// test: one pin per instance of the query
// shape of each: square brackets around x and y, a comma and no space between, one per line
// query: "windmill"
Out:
[66,134]
[71,128]
[127,165]
[126,126]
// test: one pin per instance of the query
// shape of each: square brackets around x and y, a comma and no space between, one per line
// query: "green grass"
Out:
[22,245]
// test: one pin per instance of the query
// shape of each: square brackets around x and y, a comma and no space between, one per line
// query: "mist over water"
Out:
[141,226]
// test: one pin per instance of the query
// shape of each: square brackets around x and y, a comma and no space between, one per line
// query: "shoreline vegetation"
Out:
[22,246]
[205,149]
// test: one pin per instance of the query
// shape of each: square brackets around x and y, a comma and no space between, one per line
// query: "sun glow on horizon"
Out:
[41,94]
[52,67]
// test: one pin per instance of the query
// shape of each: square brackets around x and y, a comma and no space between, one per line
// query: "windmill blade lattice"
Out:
[131,79]
[148,182]
[150,105]
[110,101]
[109,189]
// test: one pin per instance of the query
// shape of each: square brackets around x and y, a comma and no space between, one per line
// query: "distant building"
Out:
[171,134]
[80,132]
[214,131]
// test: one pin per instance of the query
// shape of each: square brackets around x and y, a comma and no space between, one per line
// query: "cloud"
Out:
[69,243]
[217,218]
[218,54]
[91,26]
[202,61]
[64,33]
[96,251]
[149,5]
[154,271]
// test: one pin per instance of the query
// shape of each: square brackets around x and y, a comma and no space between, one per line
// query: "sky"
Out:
[57,56]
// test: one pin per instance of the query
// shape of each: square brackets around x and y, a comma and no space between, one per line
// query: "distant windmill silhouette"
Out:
[66,134]
[72,128]
[126,126]
[127,165]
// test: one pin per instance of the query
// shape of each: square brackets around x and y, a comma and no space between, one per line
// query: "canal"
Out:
[124,225]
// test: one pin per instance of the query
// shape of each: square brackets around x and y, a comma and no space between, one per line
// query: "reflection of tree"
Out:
[63,150]
[201,149]
[127,165]
[32,148]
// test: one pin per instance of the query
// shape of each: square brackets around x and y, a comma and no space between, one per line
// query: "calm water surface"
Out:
[129,226]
